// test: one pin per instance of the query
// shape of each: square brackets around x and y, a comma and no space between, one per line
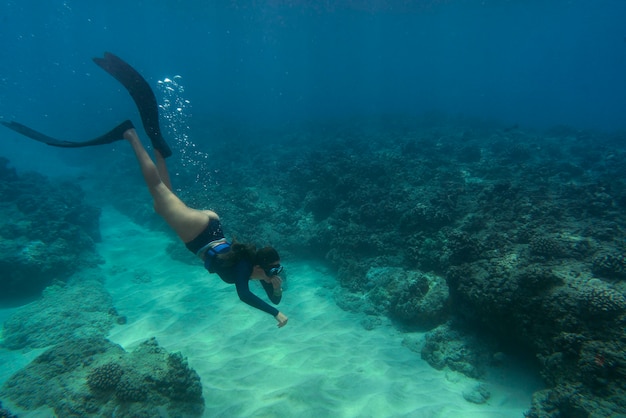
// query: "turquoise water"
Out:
[477,142]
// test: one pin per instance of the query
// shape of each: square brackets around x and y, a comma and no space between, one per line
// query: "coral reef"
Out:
[525,227]
[77,309]
[105,378]
[47,232]
[600,300]
[130,388]
[611,266]
[179,383]
[412,297]
[544,246]
[94,377]
[461,352]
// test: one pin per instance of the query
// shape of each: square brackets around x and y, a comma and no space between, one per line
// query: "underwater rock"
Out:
[81,308]
[371,322]
[461,352]
[349,301]
[412,297]
[94,378]
[478,395]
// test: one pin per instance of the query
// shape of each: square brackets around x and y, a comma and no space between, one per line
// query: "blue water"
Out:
[532,63]
[276,64]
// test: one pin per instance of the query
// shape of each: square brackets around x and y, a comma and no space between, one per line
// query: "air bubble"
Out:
[175,110]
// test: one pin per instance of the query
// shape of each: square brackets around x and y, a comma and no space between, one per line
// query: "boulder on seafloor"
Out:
[94,377]
[459,351]
[478,394]
[412,297]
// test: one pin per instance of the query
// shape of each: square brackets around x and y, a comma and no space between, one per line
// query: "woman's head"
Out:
[267,258]
[266,264]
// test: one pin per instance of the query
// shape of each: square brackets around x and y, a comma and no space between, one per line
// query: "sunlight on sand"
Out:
[323,363]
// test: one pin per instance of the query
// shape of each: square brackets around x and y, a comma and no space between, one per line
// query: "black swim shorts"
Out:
[212,232]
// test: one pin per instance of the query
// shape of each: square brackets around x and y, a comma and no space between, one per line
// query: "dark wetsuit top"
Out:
[240,276]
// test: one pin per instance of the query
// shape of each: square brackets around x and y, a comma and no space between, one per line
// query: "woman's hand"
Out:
[277,282]
[282,319]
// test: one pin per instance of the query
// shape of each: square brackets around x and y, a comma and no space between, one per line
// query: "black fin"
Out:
[141,93]
[113,135]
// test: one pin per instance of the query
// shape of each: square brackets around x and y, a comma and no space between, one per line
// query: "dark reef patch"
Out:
[47,233]
[5,413]
[93,377]
[77,309]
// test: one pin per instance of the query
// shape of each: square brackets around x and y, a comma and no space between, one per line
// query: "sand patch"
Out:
[323,363]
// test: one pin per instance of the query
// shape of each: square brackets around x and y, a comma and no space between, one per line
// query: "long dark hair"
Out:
[238,251]
[243,251]
[266,256]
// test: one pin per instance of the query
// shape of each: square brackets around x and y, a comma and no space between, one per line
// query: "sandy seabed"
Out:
[322,364]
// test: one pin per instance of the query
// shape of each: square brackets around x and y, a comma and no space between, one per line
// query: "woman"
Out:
[201,232]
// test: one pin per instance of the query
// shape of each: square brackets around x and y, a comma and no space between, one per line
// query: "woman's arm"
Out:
[242,276]
[274,293]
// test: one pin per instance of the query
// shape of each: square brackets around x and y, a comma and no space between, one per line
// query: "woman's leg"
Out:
[186,222]
[161,166]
